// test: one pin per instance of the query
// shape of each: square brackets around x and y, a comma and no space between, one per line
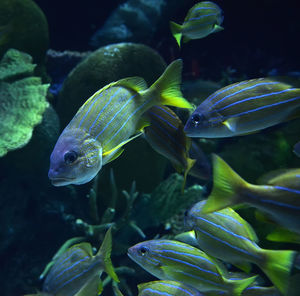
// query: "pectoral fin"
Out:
[218,28]
[231,124]
[120,145]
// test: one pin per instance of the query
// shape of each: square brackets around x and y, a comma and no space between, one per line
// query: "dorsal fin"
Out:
[135,83]
[86,247]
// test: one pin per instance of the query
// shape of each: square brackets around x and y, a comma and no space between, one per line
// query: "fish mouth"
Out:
[61,181]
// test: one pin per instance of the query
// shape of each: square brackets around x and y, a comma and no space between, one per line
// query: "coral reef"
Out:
[23,26]
[59,64]
[22,101]
[107,64]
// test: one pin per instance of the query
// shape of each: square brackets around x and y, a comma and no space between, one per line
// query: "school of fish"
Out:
[197,262]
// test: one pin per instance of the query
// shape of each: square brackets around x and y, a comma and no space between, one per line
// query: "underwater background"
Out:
[79,48]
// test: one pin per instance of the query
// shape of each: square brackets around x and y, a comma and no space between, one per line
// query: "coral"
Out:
[166,202]
[59,64]
[107,64]
[135,21]
[22,102]
[23,26]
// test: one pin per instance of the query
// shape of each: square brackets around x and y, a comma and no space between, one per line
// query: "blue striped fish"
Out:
[77,271]
[108,120]
[201,20]
[244,107]
[166,136]
[176,261]
[166,288]
[279,197]
[227,236]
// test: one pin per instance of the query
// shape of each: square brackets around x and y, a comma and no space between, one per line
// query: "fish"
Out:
[201,20]
[109,119]
[176,261]
[243,108]
[279,197]
[77,272]
[166,136]
[166,288]
[227,236]
[296,149]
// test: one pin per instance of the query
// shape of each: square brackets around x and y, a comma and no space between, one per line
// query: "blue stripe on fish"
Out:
[163,243]
[187,254]
[70,267]
[241,91]
[199,278]
[136,110]
[114,116]
[259,108]
[166,111]
[101,111]
[224,229]
[169,147]
[254,98]
[277,203]
[156,292]
[215,94]
[200,25]
[228,217]
[76,276]
[169,136]
[177,287]
[56,267]
[202,16]
[226,243]
[190,264]
[89,109]
[164,120]
[288,189]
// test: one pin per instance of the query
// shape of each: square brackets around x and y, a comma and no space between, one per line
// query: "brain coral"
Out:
[23,26]
[107,64]
[22,100]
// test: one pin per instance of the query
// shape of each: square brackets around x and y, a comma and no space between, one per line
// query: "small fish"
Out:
[244,107]
[107,121]
[176,261]
[227,236]
[296,149]
[166,136]
[279,198]
[166,288]
[77,272]
[202,19]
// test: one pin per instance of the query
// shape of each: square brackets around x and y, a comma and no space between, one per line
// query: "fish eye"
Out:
[70,157]
[143,250]
[197,118]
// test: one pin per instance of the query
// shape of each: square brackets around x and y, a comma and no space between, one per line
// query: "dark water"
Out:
[260,38]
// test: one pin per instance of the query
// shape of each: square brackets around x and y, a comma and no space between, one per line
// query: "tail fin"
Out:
[104,253]
[176,32]
[168,86]
[238,286]
[277,267]
[226,187]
